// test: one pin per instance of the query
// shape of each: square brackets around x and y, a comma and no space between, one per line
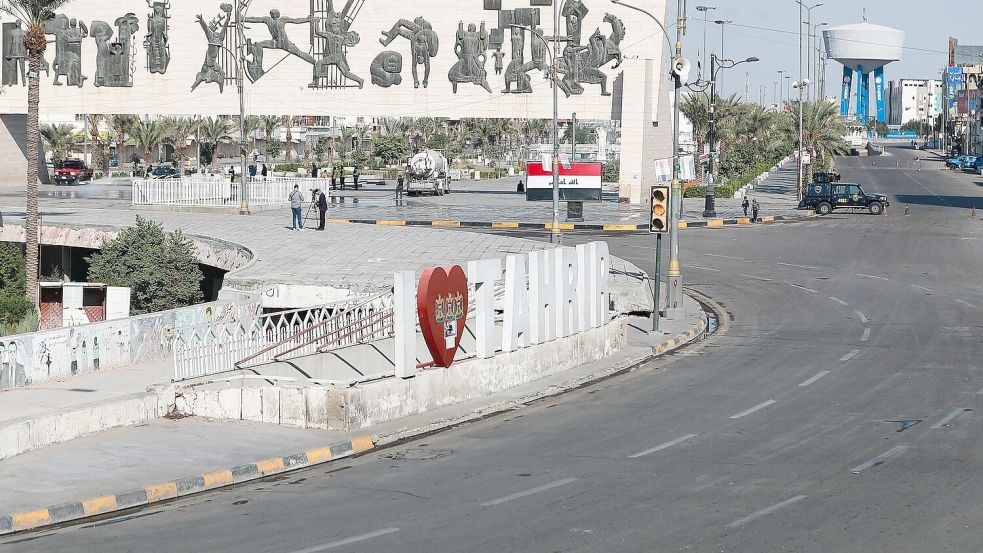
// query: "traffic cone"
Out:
[906,211]
[972,214]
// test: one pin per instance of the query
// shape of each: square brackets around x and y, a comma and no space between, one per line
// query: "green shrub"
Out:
[159,267]
[611,171]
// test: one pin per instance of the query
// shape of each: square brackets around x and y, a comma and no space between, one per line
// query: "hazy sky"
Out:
[927,25]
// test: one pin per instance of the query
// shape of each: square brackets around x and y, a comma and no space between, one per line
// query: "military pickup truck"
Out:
[824,197]
[72,171]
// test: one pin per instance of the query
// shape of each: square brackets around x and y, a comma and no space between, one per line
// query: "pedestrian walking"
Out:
[232,174]
[265,171]
[322,207]
[334,178]
[399,188]
[314,170]
[342,179]
[519,187]
[355,176]
[297,208]
[745,204]
[252,171]
[754,210]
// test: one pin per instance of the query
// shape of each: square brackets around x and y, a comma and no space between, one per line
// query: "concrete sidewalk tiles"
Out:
[155,493]
[711,223]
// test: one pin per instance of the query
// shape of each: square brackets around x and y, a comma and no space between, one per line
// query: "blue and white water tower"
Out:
[863,48]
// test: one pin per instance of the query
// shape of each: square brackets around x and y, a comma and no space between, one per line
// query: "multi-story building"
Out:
[914,99]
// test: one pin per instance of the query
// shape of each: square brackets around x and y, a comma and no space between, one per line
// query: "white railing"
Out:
[219,191]
[207,349]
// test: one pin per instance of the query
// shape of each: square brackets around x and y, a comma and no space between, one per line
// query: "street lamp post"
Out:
[704,9]
[814,67]
[723,23]
[798,187]
[780,85]
[674,273]
[715,64]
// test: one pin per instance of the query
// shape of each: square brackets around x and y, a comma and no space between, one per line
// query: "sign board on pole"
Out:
[579,181]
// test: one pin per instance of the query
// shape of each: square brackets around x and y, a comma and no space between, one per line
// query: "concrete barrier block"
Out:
[271,404]
[230,403]
[293,408]
[252,404]
[317,407]
[337,410]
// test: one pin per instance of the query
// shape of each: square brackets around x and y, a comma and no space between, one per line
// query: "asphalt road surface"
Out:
[836,413]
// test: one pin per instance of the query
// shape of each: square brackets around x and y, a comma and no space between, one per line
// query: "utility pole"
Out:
[674,309]
[704,9]
[781,84]
[555,229]
[723,23]
[240,77]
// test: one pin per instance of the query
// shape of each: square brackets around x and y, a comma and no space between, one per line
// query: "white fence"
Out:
[220,191]
[217,347]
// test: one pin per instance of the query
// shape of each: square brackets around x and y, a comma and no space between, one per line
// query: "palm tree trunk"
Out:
[31,240]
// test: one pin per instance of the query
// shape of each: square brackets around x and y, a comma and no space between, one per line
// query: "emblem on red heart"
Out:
[442,307]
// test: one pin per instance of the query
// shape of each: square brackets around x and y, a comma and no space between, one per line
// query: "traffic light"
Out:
[660,209]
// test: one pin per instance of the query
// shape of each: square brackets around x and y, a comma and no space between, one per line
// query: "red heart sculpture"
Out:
[442,308]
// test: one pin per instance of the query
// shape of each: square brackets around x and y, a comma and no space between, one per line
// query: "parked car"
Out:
[978,165]
[164,172]
[969,164]
[824,197]
[960,161]
[72,171]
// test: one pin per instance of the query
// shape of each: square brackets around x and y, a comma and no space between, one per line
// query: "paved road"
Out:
[779,434]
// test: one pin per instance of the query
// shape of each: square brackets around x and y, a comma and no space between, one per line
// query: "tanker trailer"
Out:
[427,174]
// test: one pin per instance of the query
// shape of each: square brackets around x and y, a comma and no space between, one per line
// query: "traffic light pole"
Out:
[658,282]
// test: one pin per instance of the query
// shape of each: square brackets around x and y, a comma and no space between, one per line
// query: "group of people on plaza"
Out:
[318,199]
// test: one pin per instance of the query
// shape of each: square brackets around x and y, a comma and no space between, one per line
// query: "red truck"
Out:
[72,171]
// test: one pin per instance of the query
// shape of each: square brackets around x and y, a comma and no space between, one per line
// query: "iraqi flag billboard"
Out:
[579,181]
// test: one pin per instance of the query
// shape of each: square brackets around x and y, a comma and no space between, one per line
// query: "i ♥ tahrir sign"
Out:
[549,294]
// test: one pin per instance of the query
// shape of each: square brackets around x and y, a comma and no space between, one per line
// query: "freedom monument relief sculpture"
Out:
[311,57]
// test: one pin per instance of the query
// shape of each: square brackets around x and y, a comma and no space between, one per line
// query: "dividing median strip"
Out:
[757,407]
[614,227]
[666,445]
[766,511]
[154,493]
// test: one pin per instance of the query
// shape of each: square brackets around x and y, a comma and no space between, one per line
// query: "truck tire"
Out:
[824,208]
[875,208]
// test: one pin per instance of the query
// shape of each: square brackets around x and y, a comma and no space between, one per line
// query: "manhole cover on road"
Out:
[415,454]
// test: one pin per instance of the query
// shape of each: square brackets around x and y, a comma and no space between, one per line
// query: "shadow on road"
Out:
[965,202]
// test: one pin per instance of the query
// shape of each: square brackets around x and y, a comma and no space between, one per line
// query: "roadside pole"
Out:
[656,294]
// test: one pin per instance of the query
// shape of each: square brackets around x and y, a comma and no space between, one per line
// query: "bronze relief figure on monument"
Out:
[423,44]
[470,47]
[156,40]
[215,31]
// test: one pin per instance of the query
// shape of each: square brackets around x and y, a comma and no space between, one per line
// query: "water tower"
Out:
[863,48]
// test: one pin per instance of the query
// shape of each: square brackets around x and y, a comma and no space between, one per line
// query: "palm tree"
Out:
[93,121]
[149,134]
[251,125]
[120,126]
[288,121]
[180,130]
[214,130]
[34,13]
[822,130]
[60,138]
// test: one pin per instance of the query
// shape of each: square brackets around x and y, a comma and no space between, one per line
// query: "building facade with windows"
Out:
[914,99]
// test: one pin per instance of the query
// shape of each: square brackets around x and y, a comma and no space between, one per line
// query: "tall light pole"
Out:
[814,67]
[723,23]
[708,203]
[555,236]
[674,273]
[704,9]
[781,83]
[802,6]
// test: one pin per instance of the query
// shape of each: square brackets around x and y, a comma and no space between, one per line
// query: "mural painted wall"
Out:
[27,359]
[481,58]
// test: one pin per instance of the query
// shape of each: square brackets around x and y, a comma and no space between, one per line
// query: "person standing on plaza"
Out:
[265,171]
[754,210]
[322,206]
[252,171]
[355,176]
[297,209]
[314,170]
[342,179]
[745,204]
[399,188]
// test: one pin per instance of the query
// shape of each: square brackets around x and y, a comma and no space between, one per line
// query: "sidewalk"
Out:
[128,467]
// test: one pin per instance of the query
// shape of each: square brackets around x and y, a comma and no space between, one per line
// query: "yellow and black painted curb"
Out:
[710,223]
[681,339]
[154,493]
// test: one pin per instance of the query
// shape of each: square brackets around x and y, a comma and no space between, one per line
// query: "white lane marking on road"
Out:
[803,288]
[701,268]
[921,287]
[814,378]
[872,276]
[348,541]
[861,316]
[966,303]
[530,491]
[866,335]
[766,511]
[660,447]
[949,418]
[850,355]
[839,301]
[757,407]
[794,265]
[757,277]
[896,450]
[724,256]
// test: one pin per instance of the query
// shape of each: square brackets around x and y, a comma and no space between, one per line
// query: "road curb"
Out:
[605,227]
[158,492]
